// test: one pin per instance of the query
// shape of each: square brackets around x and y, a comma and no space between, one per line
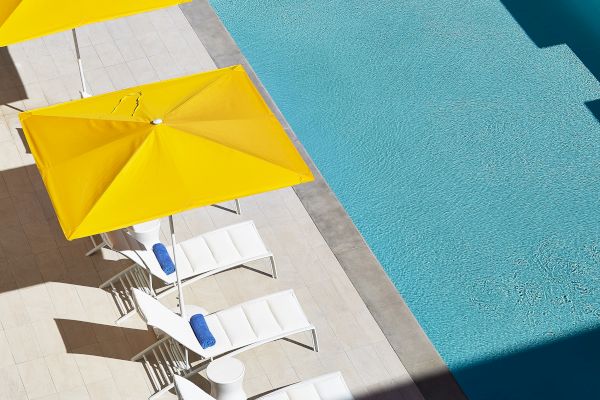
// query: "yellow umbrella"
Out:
[27,19]
[122,158]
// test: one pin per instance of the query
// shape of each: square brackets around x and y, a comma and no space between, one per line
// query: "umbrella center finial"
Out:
[157,121]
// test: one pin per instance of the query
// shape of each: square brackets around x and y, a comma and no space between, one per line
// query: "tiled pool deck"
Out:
[58,339]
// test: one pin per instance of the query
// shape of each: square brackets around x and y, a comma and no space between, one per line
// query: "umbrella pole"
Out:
[179,288]
[84,92]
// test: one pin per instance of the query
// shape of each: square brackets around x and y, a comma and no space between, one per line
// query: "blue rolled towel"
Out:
[163,257]
[203,334]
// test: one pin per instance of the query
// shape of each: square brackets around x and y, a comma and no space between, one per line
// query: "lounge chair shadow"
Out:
[100,340]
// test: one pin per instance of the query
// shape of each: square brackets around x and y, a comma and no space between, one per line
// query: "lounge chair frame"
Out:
[172,358]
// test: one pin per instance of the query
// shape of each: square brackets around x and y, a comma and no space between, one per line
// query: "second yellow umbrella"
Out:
[22,20]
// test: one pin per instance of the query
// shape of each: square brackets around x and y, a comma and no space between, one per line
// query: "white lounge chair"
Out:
[197,258]
[325,387]
[236,329]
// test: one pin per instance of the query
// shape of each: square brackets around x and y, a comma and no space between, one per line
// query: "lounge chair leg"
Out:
[315,340]
[162,391]
[238,209]
[96,247]
[124,317]
[273,267]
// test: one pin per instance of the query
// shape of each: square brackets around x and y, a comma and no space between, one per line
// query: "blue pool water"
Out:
[464,146]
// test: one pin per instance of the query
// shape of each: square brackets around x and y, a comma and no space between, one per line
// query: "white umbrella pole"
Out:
[84,92]
[179,288]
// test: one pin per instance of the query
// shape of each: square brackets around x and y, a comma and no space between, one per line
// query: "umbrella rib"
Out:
[89,117]
[89,151]
[99,198]
[195,94]
[239,151]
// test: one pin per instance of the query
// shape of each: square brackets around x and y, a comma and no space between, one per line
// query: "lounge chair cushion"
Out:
[325,387]
[255,320]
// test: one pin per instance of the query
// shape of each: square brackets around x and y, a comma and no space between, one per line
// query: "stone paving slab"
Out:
[58,339]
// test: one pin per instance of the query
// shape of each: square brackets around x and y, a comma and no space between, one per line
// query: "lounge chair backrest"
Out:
[325,387]
[147,259]
[157,315]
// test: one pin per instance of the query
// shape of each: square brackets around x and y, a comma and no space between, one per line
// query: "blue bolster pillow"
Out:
[203,334]
[163,257]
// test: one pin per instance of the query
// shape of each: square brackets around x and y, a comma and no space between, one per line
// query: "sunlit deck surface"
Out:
[58,337]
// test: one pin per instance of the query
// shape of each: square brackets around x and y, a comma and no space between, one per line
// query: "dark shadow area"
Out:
[594,107]
[11,86]
[563,369]
[552,22]
[572,22]
[24,140]
[33,248]
[101,340]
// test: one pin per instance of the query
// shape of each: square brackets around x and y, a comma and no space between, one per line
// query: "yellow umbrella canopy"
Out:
[150,151]
[27,19]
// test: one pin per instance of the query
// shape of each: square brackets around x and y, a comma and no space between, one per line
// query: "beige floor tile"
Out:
[78,393]
[64,371]
[347,329]
[11,386]
[253,367]
[103,390]
[36,379]
[368,363]
[66,301]
[37,301]
[283,376]
[48,337]
[13,310]
[93,368]
[6,357]
[256,386]
[130,379]
[23,343]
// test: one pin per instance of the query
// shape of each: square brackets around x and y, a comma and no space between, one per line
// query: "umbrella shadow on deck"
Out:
[33,249]
[11,86]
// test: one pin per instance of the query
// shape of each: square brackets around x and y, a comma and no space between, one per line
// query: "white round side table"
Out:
[226,376]
[147,233]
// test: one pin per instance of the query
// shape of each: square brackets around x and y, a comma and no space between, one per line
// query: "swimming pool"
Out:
[468,158]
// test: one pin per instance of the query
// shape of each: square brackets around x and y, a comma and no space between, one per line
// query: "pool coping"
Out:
[405,335]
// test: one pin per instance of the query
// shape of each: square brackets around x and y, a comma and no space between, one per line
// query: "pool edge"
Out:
[389,310]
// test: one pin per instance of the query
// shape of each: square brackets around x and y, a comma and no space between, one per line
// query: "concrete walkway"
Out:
[57,334]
